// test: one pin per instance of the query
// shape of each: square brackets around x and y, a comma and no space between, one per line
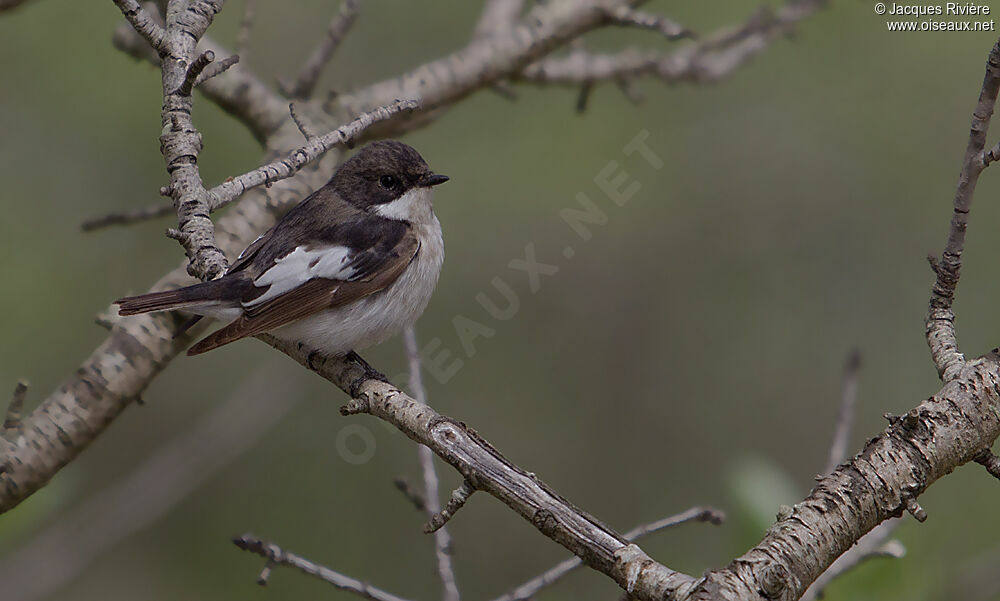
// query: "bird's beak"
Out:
[433,179]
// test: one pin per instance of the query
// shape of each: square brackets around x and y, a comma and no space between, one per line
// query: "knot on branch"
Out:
[774,581]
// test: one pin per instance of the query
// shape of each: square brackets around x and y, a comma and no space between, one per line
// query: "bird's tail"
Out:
[191,296]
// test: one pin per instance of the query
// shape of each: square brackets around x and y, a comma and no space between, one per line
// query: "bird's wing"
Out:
[307,281]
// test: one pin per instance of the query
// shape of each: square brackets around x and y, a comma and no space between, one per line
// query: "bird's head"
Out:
[385,177]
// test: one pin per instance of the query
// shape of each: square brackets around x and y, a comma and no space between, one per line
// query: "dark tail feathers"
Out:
[198,294]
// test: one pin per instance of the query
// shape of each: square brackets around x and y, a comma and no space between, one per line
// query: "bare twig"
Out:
[845,415]
[275,556]
[626,16]
[990,461]
[246,25]
[194,72]
[458,498]
[874,544]
[306,80]
[940,323]
[532,587]
[127,217]
[143,23]
[241,93]
[710,59]
[12,419]
[232,189]
[431,500]
[299,123]
[413,496]
[216,69]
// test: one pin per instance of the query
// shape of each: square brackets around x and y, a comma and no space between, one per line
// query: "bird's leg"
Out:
[370,373]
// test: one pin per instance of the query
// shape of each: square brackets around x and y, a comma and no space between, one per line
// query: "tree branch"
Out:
[127,217]
[239,92]
[488,470]
[429,501]
[12,419]
[180,142]
[340,25]
[144,24]
[531,588]
[845,415]
[275,555]
[940,324]
[710,59]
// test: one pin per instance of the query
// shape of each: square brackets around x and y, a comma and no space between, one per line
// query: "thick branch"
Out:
[489,58]
[940,317]
[180,142]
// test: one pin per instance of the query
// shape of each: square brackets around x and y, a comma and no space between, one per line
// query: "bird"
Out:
[347,268]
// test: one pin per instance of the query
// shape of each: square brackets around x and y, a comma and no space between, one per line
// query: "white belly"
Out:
[379,316]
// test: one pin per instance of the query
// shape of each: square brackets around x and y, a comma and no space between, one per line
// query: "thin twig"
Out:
[246,25]
[413,496]
[874,544]
[194,72]
[127,217]
[231,189]
[217,69]
[710,59]
[341,23]
[12,420]
[275,556]
[432,503]
[299,123]
[990,461]
[458,499]
[143,22]
[940,323]
[625,16]
[845,415]
[532,587]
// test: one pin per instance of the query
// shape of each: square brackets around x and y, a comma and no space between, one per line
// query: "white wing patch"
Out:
[300,266]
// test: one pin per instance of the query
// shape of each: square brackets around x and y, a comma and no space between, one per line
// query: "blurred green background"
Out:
[689,353]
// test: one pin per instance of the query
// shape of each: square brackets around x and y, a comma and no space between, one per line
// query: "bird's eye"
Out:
[388,182]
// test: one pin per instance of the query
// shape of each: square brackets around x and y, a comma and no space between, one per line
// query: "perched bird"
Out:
[348,267]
